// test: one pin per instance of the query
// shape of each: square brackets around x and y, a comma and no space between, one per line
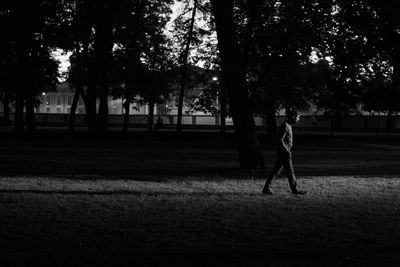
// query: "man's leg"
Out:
[288,165]
[275,172]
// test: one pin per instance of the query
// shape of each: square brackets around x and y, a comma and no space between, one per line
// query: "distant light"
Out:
[215,78]
[43,93]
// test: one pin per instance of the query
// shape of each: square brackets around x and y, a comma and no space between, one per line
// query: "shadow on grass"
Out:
[379,257]
[157,157]
[204,172]
[122,192]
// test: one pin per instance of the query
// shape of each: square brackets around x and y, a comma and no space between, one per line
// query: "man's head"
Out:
[293,116]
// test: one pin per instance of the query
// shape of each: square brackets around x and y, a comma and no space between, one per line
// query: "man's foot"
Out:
[267,191]
[299,192]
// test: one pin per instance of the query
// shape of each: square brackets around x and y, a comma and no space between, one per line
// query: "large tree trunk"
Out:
[23,41]
[99,79]
[250,156]
[184,68]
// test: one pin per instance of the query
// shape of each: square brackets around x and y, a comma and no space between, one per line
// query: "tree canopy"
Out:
[339,56]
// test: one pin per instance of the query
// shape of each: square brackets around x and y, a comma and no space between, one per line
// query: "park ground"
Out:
[139,199]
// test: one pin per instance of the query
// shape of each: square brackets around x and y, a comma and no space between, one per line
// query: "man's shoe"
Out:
[300,192]
[267,191]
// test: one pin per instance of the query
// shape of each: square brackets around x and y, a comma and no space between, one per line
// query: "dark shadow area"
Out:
[139,155]
[122,192]
[381,257]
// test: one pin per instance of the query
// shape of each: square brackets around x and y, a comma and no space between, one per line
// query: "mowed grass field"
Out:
[163,199]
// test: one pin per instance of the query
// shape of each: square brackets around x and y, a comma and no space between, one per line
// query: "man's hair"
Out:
[292,113]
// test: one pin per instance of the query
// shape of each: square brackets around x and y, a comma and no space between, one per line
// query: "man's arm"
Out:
[282,134]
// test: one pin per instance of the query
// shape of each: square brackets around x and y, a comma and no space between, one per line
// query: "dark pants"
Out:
[283,161]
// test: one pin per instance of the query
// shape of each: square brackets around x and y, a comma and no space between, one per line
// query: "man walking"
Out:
[284,155]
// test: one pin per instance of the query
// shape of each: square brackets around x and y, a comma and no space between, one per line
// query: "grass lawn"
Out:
[154,201]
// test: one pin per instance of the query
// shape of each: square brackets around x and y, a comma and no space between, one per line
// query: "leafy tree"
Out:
[381,96]
[279,72]
[379,92]
[104,20]
[7,60]
[188,33]
[234,78]
[128,74]
[203,92]
[154,91]
[92,37]
[80,28]
[28,46]
[379,24]
[184,56]
[143,54]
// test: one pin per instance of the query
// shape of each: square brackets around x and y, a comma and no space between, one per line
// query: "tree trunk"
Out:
[150,118]
[91,95]
[6,105]
[250,156]
[30,115]
[21,83]
[82,58]
[126,106]
[99,81]
[78,92]
[338,122]
[19,110]
[104,53]
[254,13]
[337,116]
[271,119]
[389,121]
[102,119]
[91,112]
[24,36]
[222,99]
[184,68]
[71,119]
[395,82]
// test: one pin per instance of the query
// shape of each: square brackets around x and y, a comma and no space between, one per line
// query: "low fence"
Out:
[351,122]
[356,122]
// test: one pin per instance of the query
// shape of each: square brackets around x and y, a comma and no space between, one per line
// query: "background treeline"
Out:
[337,55]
